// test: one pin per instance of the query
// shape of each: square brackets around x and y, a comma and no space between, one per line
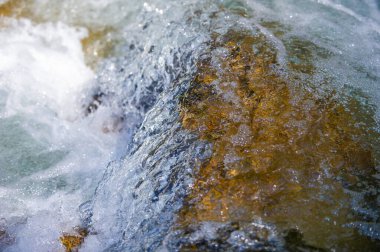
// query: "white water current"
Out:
[54,155]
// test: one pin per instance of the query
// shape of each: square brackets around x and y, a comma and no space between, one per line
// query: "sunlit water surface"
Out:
[90,110]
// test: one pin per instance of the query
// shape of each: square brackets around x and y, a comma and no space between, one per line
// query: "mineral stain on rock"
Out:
[283,153]
[72,242]
[14,8]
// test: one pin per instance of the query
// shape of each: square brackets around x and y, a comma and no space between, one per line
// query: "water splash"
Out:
[130,108]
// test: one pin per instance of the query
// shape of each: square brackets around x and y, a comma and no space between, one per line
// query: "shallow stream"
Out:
[196,125]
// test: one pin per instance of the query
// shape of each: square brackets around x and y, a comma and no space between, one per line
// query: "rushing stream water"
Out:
[196,125]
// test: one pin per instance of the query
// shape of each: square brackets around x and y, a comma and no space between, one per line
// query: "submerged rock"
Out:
[72,242]
[281,154]
[5,239]
[233,148]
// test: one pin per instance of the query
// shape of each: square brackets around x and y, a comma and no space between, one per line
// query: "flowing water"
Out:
[197,125]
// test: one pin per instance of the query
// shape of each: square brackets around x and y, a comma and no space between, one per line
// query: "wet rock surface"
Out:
[240,154]
[232,125]
[72,241]
[281,153]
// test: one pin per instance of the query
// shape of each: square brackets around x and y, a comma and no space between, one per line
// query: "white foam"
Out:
[43,65]
[57,155]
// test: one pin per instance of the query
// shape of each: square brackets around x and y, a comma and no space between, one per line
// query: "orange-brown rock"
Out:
[281,150]
[72,242]
[14,8]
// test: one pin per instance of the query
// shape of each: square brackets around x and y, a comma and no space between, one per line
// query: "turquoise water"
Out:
[21,154]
